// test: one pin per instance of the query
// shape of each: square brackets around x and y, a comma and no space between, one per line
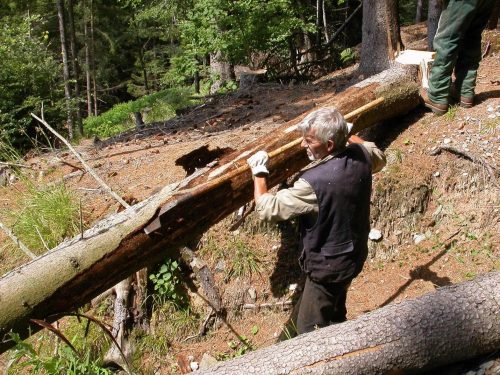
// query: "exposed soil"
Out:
[438,211]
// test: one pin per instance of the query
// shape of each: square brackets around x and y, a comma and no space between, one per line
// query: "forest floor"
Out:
[438,211]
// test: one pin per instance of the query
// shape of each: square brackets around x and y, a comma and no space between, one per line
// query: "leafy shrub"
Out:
[166,282]
[348,56]
[162,106]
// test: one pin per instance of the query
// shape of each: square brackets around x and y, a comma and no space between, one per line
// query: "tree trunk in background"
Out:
[432,21]
[318,22]
[221,70]
[80,269]
[144,70]
[87,62]
[452,324]
[493,21]
[418,14]
[64,53]
[75,66]
[379,36]
[196,82]
[325,24]
[92,57]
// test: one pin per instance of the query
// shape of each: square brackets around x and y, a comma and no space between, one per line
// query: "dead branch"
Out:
[69,164]
[15,165]
[17,241]
[467,156]
[257,306]
[205,277]
[87,167]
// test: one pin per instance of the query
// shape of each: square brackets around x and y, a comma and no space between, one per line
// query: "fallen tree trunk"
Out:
[80,269]
[452,324]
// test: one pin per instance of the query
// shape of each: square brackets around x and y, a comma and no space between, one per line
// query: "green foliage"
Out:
[245,260]
[24,357]
[238,30]
[451,113]
[166,283]
[8,152]
[348,56]
[168,323]
[161,106]
[28,77]
[238,347]
[46,216]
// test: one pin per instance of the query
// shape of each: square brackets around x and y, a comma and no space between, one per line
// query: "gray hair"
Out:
[328,124]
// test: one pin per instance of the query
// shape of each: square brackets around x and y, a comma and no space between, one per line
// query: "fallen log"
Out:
[80,269]
[454,323]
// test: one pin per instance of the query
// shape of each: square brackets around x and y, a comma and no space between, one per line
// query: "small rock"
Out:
[437,211]
[418,237]
[194,366]
[275,247]
[436,174]
[492,116]
[253,294]
[207,360]
[490,108]
[220,266]
[447,141]
[375,235]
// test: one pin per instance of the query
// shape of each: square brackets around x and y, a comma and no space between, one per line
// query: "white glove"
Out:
[349,127]
[258,163]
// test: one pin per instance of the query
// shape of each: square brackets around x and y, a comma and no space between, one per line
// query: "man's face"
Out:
[316,149]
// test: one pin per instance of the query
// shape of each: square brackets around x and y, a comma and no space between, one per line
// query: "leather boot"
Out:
[437,108]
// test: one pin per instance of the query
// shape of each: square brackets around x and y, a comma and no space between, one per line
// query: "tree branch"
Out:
[87,167]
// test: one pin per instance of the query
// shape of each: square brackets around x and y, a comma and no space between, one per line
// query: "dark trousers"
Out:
[321,305]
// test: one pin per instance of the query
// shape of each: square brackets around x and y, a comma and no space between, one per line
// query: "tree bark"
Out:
[379,39]
[92,57]
[493,21]
[432,22]
[80,269]
[452,324]
[75,65]
[221,70]
[64,53]
[418,13]
[87,62]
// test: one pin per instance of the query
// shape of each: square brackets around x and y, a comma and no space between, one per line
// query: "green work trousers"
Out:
[458,46]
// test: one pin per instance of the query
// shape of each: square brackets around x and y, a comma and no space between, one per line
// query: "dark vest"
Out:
[335,245]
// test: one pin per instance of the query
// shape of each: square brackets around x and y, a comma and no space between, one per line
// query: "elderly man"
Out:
[332,200]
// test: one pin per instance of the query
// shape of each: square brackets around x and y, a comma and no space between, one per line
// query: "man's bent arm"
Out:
[377,155]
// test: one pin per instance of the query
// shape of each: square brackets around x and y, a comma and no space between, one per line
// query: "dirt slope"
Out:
[438,211]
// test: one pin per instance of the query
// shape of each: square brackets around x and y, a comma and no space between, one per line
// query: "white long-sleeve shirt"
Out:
[300,199]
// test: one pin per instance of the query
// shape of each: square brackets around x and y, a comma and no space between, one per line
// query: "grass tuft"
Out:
[45,217]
